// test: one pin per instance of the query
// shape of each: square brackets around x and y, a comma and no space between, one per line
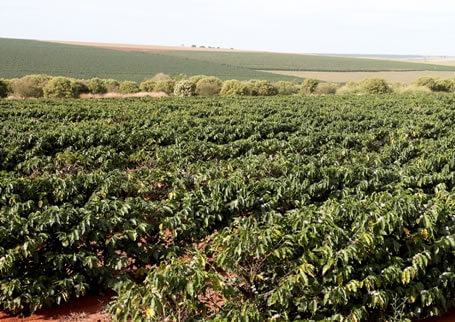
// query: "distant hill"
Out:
[20,57]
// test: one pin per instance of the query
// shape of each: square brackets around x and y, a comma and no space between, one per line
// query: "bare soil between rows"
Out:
[84,309]
[91,309]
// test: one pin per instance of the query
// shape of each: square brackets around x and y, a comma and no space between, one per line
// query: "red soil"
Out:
[91,309]
[84,309]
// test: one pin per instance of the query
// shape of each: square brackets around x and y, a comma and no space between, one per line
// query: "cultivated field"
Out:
[130,62]
[288,208]
[343,77]
[24,57]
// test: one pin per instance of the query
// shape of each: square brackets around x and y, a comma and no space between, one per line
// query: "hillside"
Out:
[299,62]
[22,57]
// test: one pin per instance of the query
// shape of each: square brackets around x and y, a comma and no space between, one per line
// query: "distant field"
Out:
[260,60]
[343,77]
[137,62]
[22,57]
[298,62]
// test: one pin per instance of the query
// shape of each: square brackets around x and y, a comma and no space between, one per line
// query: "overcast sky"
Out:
[344,26]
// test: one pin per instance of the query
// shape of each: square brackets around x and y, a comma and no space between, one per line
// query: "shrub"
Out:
[112,85]
[261,88]
[234,88]
[166,86]
[3,88]
[79,87]
[148,85]
[309,86]
[30,85]
[9,84]
[350,88]
[428,82]
[58,87]
[197,78]
[96,86]
[410,89]
[128,87]
[161,77]
[437,85]
[185,88]
[444,85]
[375,86]
[286,88]
[208,86]
[326,89]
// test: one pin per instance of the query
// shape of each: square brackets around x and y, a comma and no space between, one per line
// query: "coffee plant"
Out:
[237,208]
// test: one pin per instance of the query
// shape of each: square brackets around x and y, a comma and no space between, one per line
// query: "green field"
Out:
[23,57]
[335,208]
[296,62]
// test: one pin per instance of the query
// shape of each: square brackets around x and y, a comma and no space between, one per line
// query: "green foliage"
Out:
[79,87]
[148,86]
[426,82]
[257,87]
[286,88]
[166,86]
[375,86]
[128,87]
[234,88]
[59,87]
[208,86]
[197,78]
[3,88]
[289,208]
[30,86]
[444,85]
[326,89]
[9,83]
[96,86]
[112,85]
[437,85]
[185,88]
[308,86]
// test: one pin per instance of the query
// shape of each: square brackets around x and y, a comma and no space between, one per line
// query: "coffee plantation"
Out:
[230,209]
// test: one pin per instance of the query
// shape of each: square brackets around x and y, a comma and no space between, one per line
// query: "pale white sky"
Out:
[317,26]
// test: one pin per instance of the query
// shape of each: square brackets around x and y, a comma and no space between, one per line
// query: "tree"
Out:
[96,86]
[59,87]
[234,88]
[208,86]
[128,87]
[309,86]
[286,88]
[3,88]
[30,86]
[112,85]
[166,86]
[148,85]
[185,88]
[375,86]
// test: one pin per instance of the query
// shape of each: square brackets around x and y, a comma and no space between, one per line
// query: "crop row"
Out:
[287,208]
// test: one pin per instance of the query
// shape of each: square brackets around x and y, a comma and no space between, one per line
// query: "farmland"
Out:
[299,207]
[129,62]
[24,57]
